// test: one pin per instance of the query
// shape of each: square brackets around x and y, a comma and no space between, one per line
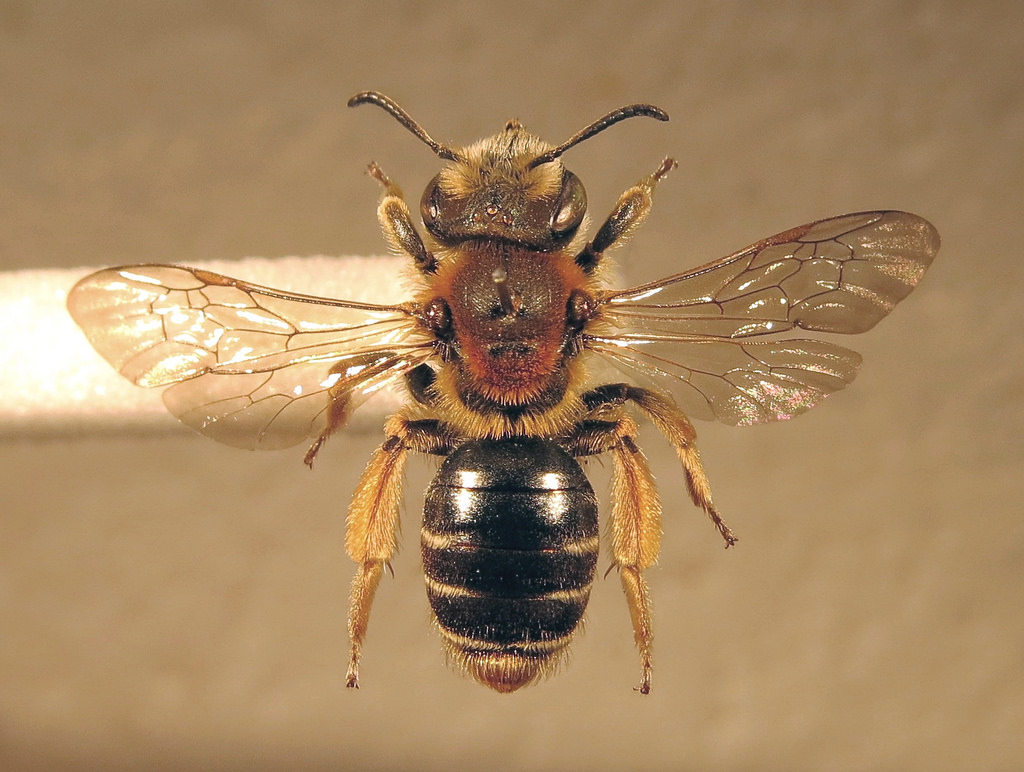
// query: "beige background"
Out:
[171,604]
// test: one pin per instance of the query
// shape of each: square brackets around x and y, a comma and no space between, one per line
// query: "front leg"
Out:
[396,222]
[630,211]
[372,525]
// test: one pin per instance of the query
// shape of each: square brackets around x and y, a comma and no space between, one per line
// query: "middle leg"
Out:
[673,423]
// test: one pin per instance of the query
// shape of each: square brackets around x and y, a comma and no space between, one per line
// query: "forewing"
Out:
[693,330]
[248,365]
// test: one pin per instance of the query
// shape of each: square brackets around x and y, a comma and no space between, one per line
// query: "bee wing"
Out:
[247,365]
[722,334]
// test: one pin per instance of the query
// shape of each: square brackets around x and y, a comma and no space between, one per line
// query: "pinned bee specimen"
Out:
[496,349]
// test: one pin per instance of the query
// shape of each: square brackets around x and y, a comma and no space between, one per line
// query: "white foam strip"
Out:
[53,384]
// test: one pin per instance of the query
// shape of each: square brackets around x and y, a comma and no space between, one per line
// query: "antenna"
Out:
[629,111]
[392,108]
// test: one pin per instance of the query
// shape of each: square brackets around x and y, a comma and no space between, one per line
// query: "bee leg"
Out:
[340,406]
[636,537]
[635,521]
[396,222]
[337,416]
[629,212]
[372,524]
[673,423]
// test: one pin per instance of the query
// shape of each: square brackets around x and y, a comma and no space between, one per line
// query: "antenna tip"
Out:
[651,111]
[363,97]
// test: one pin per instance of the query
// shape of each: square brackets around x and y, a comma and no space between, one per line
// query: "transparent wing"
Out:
[247,365]
[703,333]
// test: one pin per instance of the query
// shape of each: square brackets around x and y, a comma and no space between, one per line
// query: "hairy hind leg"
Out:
[636,508]
[635,521]
[372,524]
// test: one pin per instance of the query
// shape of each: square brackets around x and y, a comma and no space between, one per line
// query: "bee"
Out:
[508,314]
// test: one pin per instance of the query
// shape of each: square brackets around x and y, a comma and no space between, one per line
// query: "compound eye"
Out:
[571,206]
[431,203]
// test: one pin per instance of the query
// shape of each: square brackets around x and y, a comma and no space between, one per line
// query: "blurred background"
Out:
[168,603]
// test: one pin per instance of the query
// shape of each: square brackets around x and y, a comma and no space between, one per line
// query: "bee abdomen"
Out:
[509,552]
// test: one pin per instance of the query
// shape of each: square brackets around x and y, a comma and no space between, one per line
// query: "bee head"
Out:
[512,186]
[495,191]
